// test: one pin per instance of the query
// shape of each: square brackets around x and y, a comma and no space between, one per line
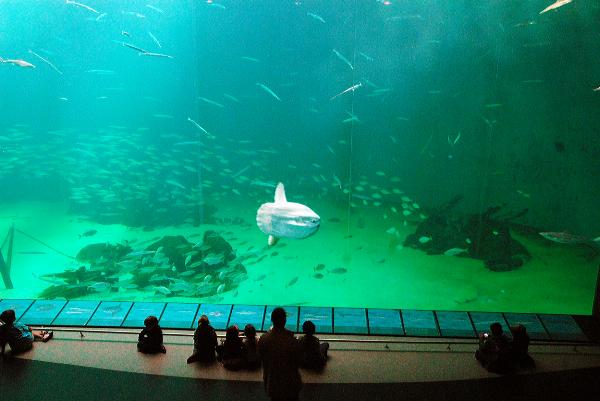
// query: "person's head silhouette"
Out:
[278,318]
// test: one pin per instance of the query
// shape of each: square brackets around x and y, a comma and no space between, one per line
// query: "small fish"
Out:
[596,89]
[339,270]
[454,251]
[81,6]
[152,54]
[317,17]
[220,288]
[319,267]
[566,238]
[46,61]
[88,233]
[211,102]
[187,260]
[158,10]
[344,59]
[268,90]
[18,62]
[261,277]
[350,89]
[125,33]
[207,278]
[555,5]
[292,282]
[200,128]
[254,60]
[139,49]
[318,275]
[99,287]
[424,240]
[154,39]
[175,184]
[163,290]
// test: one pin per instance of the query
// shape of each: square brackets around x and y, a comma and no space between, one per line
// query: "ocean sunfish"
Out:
[283,219]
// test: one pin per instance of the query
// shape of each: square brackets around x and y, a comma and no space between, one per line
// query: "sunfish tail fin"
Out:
[280,194]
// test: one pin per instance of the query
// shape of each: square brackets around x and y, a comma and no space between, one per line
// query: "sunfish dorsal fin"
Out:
[280,194]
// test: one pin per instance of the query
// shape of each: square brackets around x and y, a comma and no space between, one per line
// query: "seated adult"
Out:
[520,347]
[18,336]
[313,352]
[251,347]
[231,352]
[205,342]
[150,340]
[494,350]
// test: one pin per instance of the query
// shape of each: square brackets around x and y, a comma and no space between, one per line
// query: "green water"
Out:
[146,119]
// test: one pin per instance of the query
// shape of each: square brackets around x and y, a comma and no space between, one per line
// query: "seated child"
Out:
[313,352]
[205,341]
[250,347]
[494,350]
[231,351]
[150,340]
[520,346]
[19,337]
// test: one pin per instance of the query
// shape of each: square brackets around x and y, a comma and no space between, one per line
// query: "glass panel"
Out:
[563,327]
[179,316]
[140,311]
[321,317]
[218,315]
[432,155]
[42,312]
[241,315]
[110,314]
[18,305]
[385,321]
[76,313]
[419,323]
[532,324]
[483,320]
[291,321]
[455,324]
[350,320]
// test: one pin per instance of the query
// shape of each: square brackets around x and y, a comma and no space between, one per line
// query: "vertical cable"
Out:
[351,139]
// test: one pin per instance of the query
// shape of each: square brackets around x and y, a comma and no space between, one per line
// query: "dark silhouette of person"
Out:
[494,350]
[18,336]
[520,347]
[280,356]
[150,340]
[231,352]
[251,348]
[205,342]
[313,352]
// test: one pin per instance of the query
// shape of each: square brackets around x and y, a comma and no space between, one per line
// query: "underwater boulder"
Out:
[102,252]
[174,247]
[213,243]
[491,242]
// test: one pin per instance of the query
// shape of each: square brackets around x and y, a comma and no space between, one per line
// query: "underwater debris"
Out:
[160,269]
[482,236]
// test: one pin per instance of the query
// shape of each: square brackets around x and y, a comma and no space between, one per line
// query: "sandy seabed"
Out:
[380,273]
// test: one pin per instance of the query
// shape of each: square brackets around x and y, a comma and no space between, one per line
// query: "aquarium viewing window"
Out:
[370,155]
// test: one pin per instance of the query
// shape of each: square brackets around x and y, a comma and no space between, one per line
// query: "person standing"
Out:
[280,354]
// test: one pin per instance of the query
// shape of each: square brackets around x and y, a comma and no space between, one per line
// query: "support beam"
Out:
[596,309]
[5,266]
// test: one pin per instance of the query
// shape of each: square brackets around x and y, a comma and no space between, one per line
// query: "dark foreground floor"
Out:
[29,380]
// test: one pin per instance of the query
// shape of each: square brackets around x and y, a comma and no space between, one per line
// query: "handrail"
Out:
[396,340]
